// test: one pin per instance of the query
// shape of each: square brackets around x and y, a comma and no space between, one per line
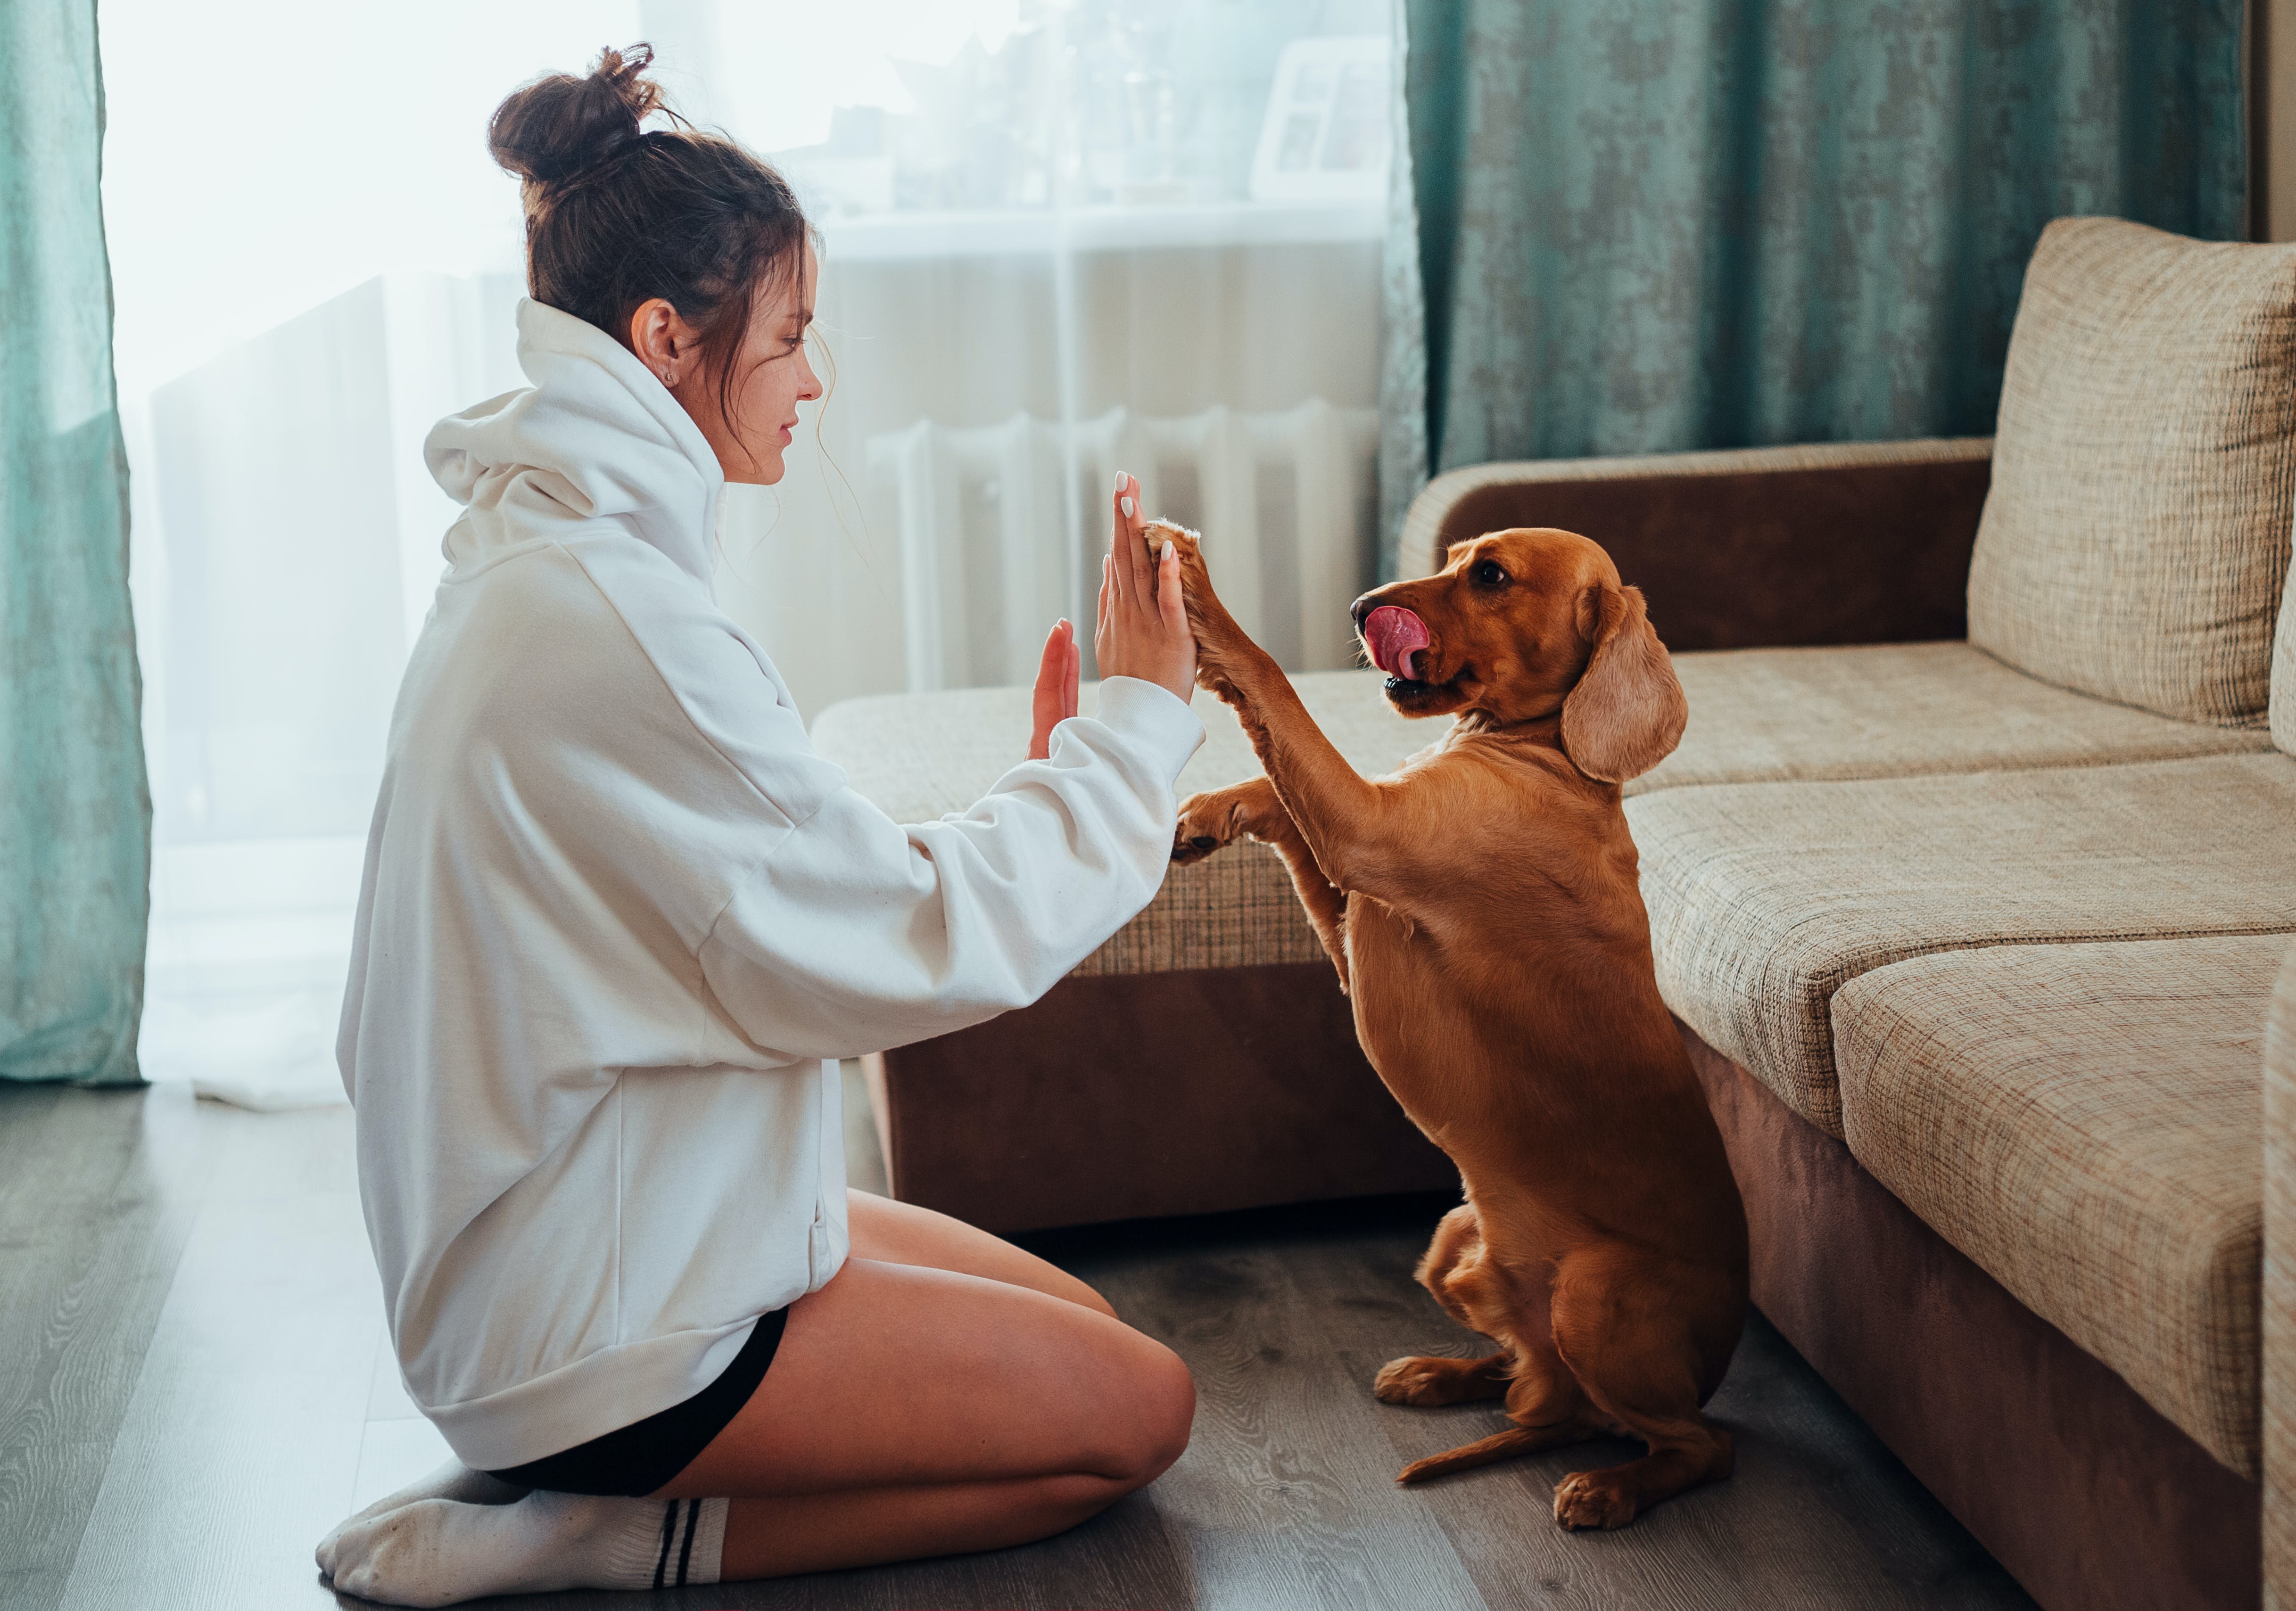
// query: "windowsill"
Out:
[878,237]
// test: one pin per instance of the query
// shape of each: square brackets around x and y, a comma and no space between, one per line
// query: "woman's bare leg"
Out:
[916,1410]
[902,1234]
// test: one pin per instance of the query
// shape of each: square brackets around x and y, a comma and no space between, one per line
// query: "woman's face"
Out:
[771,377]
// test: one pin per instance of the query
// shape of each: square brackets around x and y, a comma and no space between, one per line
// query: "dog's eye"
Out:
[1488,574]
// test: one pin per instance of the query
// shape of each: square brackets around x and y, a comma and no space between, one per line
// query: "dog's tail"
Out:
[1484,1452]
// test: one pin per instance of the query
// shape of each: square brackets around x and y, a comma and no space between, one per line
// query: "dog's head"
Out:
[1521,625]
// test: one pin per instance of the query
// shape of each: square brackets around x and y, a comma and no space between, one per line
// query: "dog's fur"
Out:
[1481,907]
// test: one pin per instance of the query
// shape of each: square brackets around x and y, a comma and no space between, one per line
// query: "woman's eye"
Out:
[1489,574]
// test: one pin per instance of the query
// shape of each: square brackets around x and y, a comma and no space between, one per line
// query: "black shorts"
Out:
[634,1461]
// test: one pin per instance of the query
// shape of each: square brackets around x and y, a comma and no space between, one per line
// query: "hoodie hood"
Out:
[596,439]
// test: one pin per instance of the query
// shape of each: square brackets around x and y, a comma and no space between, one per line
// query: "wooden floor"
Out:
[193,1387]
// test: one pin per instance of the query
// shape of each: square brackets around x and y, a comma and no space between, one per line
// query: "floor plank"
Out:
[193,1463]
[98,1190]
[239,1445]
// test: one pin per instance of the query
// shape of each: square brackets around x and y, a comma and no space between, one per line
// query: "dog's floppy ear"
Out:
[1628,713]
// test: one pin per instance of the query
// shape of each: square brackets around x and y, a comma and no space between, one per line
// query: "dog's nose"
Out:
[1361,608]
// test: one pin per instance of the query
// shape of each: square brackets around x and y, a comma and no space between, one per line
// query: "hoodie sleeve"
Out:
[855,933]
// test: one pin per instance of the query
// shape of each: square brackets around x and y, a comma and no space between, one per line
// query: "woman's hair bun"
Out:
[560,126]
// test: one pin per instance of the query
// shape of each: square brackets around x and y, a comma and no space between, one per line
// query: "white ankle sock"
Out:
[439,1551]
[454,1480]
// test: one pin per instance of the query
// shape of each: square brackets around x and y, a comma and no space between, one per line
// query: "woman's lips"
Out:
[1396,637]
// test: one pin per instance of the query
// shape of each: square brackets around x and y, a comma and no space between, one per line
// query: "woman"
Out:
[617,923]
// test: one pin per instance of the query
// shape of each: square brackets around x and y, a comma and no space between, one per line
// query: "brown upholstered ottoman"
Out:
[1202,1059]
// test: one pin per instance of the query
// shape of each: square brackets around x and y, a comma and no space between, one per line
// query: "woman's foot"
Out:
[452,1481]
[442,1551]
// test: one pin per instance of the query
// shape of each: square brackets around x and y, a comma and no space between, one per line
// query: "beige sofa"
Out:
[1973,940]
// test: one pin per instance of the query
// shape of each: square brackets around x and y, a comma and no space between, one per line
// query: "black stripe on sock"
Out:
[686,1551]
[669,1535]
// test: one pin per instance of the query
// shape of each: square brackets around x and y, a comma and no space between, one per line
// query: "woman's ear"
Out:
[1628,713]
[662,341]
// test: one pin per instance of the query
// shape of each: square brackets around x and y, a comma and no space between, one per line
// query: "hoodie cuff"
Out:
[1153,717]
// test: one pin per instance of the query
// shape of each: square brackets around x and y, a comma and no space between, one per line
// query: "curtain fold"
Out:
[75,812]
[1646,225]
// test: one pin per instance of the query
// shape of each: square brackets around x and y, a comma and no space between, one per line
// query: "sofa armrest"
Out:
[2279,1319]
[1837,542]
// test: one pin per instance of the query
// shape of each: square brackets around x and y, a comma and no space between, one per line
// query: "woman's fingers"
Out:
[1174,609]
[1123,509]
[1170,603]
[1073,676]
[1055,695]
[1131,556]
[1103,641]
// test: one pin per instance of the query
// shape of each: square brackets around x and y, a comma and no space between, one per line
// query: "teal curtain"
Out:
[1631,226]
[75,812]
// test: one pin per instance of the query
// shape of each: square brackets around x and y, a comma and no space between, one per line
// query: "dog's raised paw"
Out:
[1207,822]
[1592,1498]
[1188,847]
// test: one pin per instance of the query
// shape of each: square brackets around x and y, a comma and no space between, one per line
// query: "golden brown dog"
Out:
[1481,907]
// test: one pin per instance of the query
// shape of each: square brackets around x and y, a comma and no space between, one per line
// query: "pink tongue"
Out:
[1395,636]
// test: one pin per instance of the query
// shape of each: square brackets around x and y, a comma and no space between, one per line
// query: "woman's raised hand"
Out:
[1144,626]
[1056,688]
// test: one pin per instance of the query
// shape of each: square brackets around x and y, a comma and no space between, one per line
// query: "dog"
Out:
[1481,907]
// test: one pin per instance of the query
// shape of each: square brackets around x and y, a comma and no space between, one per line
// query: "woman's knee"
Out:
[1155,1412]
[1174,1415]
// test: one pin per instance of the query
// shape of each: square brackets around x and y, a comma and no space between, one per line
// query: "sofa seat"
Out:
[2086,1123]
[1765,898]
[1902,710]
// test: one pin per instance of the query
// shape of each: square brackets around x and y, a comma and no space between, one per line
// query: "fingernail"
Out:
[1168,548]
[1120,480]
[1126,507]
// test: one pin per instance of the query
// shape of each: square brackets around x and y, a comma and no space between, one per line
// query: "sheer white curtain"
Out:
[1058,239]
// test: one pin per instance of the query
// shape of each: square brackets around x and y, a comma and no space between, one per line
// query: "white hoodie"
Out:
[618,917]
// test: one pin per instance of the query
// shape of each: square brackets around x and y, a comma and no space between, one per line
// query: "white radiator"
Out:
[1002,528]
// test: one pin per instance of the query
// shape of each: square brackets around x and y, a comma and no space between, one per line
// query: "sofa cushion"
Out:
[2279,1302]
[1901,710]
[1765,898]
[2281,704]
[2136,535]
[2086,1123]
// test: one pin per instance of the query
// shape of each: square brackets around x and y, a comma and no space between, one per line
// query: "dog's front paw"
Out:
[1217,636]
[1593,1499]
[1207,822]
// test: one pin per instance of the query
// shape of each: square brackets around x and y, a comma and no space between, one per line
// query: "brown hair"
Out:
[617,215]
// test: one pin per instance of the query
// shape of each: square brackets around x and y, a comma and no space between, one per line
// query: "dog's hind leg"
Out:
[1625,1323]
[1544,1402]
[1541,1399]
[1251,810]
[1431,1379]
[1453,1271]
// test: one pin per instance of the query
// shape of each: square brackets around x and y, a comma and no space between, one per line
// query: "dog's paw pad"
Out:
[1592,1498]
[1193,847]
